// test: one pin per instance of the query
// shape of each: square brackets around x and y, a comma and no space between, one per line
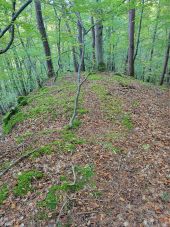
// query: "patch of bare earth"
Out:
[129,186]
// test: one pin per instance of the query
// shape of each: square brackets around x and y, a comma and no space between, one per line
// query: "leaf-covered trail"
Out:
[127,142]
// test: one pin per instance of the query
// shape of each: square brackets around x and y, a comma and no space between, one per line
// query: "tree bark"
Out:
[44,38]
[154,38]
[93,40]
[131,42]
[80,39]
[165,62]
[99,45]
[75,63]
[139,31]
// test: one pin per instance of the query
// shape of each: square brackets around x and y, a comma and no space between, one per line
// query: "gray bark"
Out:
[99,44]
[165,62]
[131,42]
[80,39]
[93,40]
[44,38]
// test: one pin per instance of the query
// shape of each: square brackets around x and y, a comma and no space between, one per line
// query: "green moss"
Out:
[111,106]
[95,77]
[109,146]
[3,193]
[24,182]
[135,104]
[67,142]
[5,165]
[51,200]
[51,101]
[123,80]
[22,101]
[82,111]
[18,117]
[165,197]
[47,149]
[127,122]
[83,176]
[9,115]
[21,138]
[100,90]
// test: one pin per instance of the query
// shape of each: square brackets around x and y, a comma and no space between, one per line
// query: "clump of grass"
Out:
[3,193]
[24,182]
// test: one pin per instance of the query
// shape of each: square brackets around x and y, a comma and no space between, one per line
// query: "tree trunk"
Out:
[44,38]
[131,42]
[139,31]
[99,45]
[166,61]
[154,38]
[93,40]
[80,39]
[75,63]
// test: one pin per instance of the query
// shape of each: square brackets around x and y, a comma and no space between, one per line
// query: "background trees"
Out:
[24,66]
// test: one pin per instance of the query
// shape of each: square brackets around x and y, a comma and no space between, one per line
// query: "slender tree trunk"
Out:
[93,41]
[75,63]
[80,39]
[139,31]
[44,38]
[154,38]
[165,62]
[131,42]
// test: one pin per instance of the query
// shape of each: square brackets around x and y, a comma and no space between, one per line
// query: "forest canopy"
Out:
[42,39]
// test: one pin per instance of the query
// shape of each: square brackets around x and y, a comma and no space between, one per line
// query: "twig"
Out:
[17,161]
[61,210]
[74,174]
[88,212]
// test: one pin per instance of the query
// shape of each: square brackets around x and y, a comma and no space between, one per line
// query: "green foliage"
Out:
[3,193]
[24,182]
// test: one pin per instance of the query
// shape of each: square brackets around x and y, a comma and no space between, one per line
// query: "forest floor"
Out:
[112,169]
